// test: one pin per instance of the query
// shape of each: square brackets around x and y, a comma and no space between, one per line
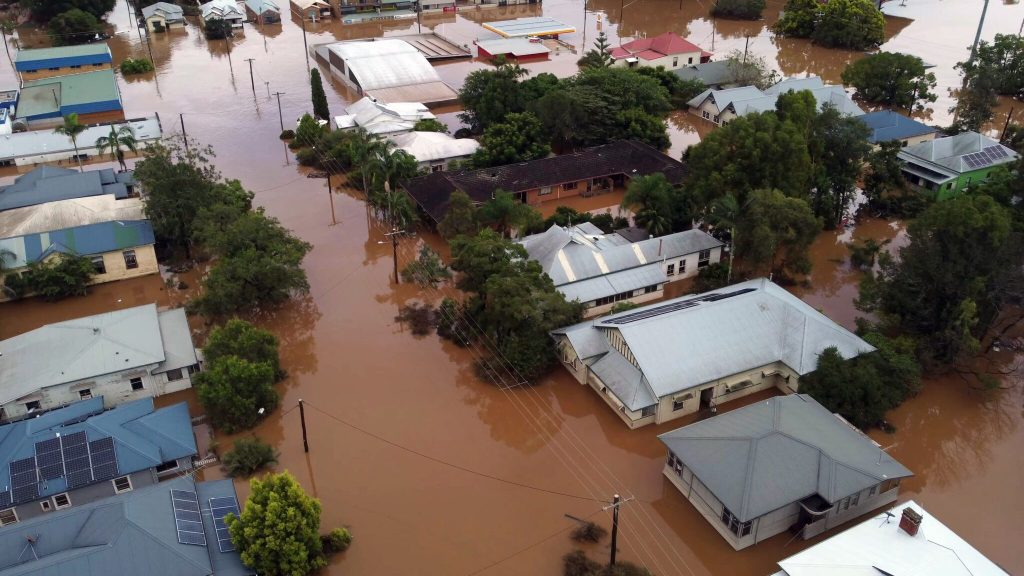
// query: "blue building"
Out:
[52,184]
[50,99]
[60,60]
[887,126]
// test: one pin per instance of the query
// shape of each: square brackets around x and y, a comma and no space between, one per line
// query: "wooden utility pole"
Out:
[305,47]
[280,116]
[184,136]
[330,194]
[746,44]
[251,79]
[1002,136]
[302,417]
[394,250]
[616,501]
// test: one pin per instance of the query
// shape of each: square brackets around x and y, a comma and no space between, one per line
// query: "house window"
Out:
[671,270]
[122,484]
[871,492]
[33,405]
[689,60]
[889,485]
[904,144]
[570,185]
[706,115]
[62,501]
[675,61]
[682,266]
[671,460]
[544,190]
[678,404]
[734,524]
[54,68]
[45,505]
[704,258]
[175,374]
[136,383]
[715,119]
[167,466]
[437,168]
[193,369]
[648,411]
[85,394]
[844,504]
[98,266]
[855,499]
[8,516]
[650,289]
[130,261]
[97,65]
[76,66]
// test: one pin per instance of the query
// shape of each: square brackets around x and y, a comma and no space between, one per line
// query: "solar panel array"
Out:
[986,157]
[673,307]
[24,479]
[221,507]
[76,459]
[71,457]
[187,518]
[104,461]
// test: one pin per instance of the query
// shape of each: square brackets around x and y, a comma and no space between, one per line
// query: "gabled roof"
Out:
[143,438]
[430,146]
[51,183]
[28,144]
[170,12]
[302,4]
[965,152]
[887,125]
[629,157]
[87,240]
[749,99]
[710,73]
[377,117]
[64,214]
[132,533]
[222,9]
[878,547]
[93,346]
[385,63]
[667,44]
[762,457]
[689,341]
[261,6]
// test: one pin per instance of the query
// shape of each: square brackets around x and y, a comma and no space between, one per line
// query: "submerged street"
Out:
[383,406]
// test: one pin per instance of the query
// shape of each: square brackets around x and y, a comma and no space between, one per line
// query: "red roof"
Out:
[667,44]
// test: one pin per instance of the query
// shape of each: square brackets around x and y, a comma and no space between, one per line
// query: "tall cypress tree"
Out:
[319,97]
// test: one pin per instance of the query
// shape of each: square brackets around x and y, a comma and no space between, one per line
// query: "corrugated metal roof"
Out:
[614,283]
[51,183]
[534,26]
[750,99]
[768,455]
[69,214]
[169,11]
[949,153]
[387,63]
[46,142]
[261,6]
[887,125]
[513,46]
[429,146]
[381,118]
[143,437]
[710,73]
[132,533]
[87,347]
[179,350]
[96,49]
[87,240]
[625,381]
[48,95]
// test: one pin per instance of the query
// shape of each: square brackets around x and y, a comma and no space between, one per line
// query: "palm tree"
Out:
[725,211]
[71,128]
[118,137]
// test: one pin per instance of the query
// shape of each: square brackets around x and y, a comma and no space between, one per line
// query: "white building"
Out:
[894,543]
[434,150]
[122,356]
[783,464]
[663,361]
[227,10]
[383,118]
[601,269]
[669,50]
[389,69]
[162,16]
[722,106]
[38,146]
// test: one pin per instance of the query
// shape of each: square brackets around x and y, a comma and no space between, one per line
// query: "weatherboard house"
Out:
[947,166]
[119,356]
[80,454]
[669,50]
[783,464]
[721,106]
[666,360]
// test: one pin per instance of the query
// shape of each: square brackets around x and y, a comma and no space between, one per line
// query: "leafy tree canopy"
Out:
[504,213]
[462,217]
[488,96]
[248,457]
[738,9]
[73,27]
[427,270]
[246,341]
[233,390]
[1001,62]
[777,230]
[892,79]
[45,10]
[430,125]
[850,24]
[519,138]
[657,205]
[319,97]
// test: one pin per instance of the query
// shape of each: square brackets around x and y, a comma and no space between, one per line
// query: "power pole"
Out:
[184,136]
[251,79]
[135,20]
[267,83]
[305,47]
[746,44]
[150,49]
[977,35]
[419,14]
[1006,125]
[394,250]
[615,527]
[280,116]
[3,30]
[302,417]
[330,194]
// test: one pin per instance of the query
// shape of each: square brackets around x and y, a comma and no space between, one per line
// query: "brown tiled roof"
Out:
[627,157]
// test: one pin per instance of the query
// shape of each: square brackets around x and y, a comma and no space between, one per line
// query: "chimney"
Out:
[911,521]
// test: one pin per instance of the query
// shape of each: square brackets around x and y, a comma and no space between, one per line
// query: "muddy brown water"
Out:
[351,362]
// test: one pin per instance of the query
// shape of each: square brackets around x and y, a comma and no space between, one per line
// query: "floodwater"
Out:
[370,385]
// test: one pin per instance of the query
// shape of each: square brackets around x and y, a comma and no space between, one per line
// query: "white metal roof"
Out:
[38,142]
[166,9]
[385,63]
[878,547]
[68,214]
[513,46]
[383,118]
[223,9]
[429,146]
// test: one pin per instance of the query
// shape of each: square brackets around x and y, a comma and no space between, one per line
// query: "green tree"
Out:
[258,265]
[712,277]
[122,136]
[217,29]
[130,66]
[750,70]
[726,212]
[775,225]
[680,91]
[277,533]
[427,270]
[61,277]
[461,218]
[240,338]
[488,96]
[1001,62]
[519,138]
[430,125]
[850,24]
[738,9]
[320,109]
[799,18]
[599,56]
[657,206]
[72,128]
[232,392]
[504,213]
[891,79]
[479,257]
[308,133]
[248,457]
[838,146]
[73,27]
[884,184]
[45,10]
[975,102]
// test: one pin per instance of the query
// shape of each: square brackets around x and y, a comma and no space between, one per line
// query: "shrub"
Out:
[217,29]
[711,277]
[287,134]
[308,133]
[338,540]
[136,66]
[242,339]
[623,306]
[589,532]
[419,316]
[740,9]
[576,563]
[65,276]
[233,390]
[427,270]
[248,456]
[625,569]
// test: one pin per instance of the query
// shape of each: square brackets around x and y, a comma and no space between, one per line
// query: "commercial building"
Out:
[947,166]
[666,360]
[669,50]
[537,26]
[48,100]
[62,60]
[39,146]
[518,49]
[120,356]
[389,70]
[784,464]
[601,269]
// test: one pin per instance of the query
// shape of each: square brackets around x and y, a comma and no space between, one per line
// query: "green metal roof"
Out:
[37,96]
[61,52]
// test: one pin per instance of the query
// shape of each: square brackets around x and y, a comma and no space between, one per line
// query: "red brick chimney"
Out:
[910,522]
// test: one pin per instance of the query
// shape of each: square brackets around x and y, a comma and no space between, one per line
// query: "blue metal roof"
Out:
[52,183]
[887,125]
[62,56]
[87,240]
[143,437]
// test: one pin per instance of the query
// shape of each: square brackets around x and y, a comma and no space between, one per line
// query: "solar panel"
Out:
[79,478]
[77,451]
[104,471]
[101,445]
[186,504]
[26,492]
[74,439]
[221,507]
[77,464]
[51,445]
[5,499]
[23,465]
[51,471]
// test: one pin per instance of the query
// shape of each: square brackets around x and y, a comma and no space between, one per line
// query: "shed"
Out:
[541,26]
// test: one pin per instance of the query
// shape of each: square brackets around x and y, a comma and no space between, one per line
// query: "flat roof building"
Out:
[38,63]
[39,146]
[388,70]
[512,48]
[83,94]
[540,26]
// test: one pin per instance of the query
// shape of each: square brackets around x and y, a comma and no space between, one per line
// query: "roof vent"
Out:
[910,522]
[95,330]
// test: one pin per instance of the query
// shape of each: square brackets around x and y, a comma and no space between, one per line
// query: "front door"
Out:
[706,396]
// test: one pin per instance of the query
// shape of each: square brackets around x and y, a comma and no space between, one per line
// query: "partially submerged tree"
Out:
[518,138]
[72,128]
[427,270]
[320,109]
[738,9]
[850,24]
[74,27]
[505,214]
[657,205]
[233,391]
[488,96]
[248,457]
[891,79]
[599,56]
[62,276]
[240,338]
[461,218]
[777,231]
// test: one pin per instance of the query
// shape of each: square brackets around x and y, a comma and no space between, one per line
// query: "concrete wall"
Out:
[62,71]
[115,388]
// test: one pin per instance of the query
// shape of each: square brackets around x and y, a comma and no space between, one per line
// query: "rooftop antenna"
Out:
[30,545]
[888,517]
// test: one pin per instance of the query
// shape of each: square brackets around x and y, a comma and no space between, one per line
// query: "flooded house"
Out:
[174,528]
[80,454]
[669,50]
[783,464]
[39,146]
[889,126]
[720,106]
[119,356]
[663,361]
[312,10]
[163,16]
[535,27]
[226,10]
[434,151]
[944,167]
[601,269]
[382,118]
[263,11]
[717,75]
[39,63]
[589,172]
[905,539]
[53,183]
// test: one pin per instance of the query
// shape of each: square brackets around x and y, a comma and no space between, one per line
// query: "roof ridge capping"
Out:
[684,303]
